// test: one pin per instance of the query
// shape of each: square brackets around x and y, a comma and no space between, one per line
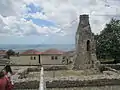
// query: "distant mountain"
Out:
[40,47]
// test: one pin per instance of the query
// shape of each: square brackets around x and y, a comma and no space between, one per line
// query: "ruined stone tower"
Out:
[85,45]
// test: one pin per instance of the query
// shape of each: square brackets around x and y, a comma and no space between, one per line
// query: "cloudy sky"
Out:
[51,21]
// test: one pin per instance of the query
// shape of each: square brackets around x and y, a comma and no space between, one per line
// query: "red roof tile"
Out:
[70,53]
[3,52]
[28,52]
[52,51]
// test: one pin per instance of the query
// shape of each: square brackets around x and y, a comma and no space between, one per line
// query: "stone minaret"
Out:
[85,45]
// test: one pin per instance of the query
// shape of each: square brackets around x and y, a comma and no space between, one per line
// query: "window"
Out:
[34,58]
[52,57]
[56,57]
[92,62]
[88,45]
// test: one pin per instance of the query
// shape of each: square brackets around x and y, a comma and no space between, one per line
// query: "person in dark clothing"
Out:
[8,69]
[1,74]
[8,72]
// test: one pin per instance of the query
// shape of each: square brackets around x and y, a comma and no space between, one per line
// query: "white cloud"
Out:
[11,7]
[21,27]
[62,12]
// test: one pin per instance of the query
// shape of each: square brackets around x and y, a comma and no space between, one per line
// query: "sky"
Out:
[51,21]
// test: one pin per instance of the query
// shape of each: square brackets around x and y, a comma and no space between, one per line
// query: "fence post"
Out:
[41,85]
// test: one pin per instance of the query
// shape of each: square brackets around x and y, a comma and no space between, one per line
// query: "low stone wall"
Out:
[114,66]
[55,68]
[33,69]
[79,83]
[67,83]
[49,68]
[89,88]
[27,85]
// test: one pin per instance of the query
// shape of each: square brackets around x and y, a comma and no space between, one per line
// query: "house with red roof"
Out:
[31,52]
[34,57]
[28,57]
[52,56]
[3,53]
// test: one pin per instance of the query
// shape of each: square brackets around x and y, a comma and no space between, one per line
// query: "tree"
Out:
[10,53]
[108,42]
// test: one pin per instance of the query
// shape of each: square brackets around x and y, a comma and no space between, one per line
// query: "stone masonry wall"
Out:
[85,46]
[78,83]
[67,83]
[27,85]
[114,66]
[48,68]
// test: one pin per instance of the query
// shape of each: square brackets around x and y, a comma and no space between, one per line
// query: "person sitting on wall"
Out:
[5,83]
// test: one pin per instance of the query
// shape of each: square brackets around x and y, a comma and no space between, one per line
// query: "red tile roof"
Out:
[70,53]
[29,52]
[53,51]
[3,52]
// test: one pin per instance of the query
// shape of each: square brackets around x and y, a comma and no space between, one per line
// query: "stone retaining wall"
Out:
[48,68]
[67,83]
[27,85]
[55,68]
[78,83]
[114,66]
[89,88]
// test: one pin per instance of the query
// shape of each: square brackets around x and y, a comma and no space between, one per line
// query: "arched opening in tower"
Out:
[88,45]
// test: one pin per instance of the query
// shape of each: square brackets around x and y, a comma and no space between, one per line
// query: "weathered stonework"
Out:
[27,85]
[68,83]
[108,78]
[85,46]
[79,83]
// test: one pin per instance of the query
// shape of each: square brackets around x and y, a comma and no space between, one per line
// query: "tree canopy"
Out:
[10,53]
[108,42]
